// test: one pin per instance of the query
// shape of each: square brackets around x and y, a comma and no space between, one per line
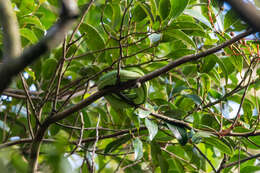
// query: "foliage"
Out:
[201,116]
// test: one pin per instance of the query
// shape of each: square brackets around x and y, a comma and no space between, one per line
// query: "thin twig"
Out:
[81,133]
[25,86]
[95,144]
[206,158]
[29,120]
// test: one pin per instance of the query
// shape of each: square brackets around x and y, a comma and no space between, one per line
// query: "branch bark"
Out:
[12,40]
[145,78]
[61,115]
[247,11]
[54,36]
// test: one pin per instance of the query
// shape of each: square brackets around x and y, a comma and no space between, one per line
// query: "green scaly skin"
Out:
[135,95]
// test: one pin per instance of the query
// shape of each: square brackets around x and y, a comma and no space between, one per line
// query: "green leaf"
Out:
[28,34]
[142,113]
[250,169]
[138,148]
[180,53]
[177,7]
[180,133]
[178,34]
[112,146]
[258,72]
[190,27]
[93,39]
[177,90]
[19,163]
[33,20]
[186,25]
[155,151]
[197,16]
[48,68]
[206,82]
[208,63]
[237,61]
[197,137]
[155,38]
[217,143]
[26,7]
[223,68]
[195,98]
[163,163]
[153,7]
[230,18]
[152,128]
[164,8]
[116,18]
[148,11]
[47,17]
[138,13]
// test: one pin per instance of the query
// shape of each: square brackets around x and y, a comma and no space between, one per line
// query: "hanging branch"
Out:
[12,66]
[12,40]
[247,11]
[149,76]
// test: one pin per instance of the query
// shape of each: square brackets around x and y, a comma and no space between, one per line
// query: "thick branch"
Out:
[192,57]
[149,76]
[247,11]
[54,36]
[61,115]
[12,41]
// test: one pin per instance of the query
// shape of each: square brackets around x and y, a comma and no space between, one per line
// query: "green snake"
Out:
[126,98]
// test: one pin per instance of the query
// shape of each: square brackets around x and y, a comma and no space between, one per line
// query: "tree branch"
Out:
[247,11]
[12,40]
[149,76]
[241,161]
[129,84]
[54,36]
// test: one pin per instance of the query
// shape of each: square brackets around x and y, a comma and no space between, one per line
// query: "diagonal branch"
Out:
[129,84]
[12,40]
[149,76]
[247,11]
[54,36]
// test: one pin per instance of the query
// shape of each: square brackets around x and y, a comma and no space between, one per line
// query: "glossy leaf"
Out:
[29,35]
[116,143]
[49,66]
[177,7]
[164,8]
[179,132]
[230,18]
[198,16]
[138,148]
[152,128]
[93,38]
[219,145]
[206,82]
[178,34]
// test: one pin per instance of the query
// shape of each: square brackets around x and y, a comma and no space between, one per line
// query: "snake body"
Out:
[126,98]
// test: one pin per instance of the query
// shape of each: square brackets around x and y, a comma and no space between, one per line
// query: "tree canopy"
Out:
[129,86]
